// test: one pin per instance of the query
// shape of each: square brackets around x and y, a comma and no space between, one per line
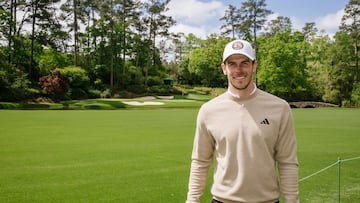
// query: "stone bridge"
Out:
[310,104]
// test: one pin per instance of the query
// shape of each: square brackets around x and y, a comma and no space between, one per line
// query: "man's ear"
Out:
[254,66]
[223,67]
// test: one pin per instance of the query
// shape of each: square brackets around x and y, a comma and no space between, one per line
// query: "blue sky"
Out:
[201,17]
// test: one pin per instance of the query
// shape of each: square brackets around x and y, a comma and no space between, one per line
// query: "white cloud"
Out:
[272,16]
[195,12]
[196,17]
[203,18]
[187,29]
[297,23]
[328,24]
[331,22]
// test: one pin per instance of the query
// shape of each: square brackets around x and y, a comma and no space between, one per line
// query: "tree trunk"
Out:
[12,28]
[34,12]
[75,33]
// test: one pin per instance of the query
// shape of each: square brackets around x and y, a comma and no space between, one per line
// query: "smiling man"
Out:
[251,136]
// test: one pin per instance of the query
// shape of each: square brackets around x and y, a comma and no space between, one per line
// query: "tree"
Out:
[340,72]
[283,66]
[6,25]
[185,76]
[111,35]
[13,29]
[74,15]
[128,13]
[4,20]
[355,95]
[14,84]
[42,15]
[178,46]
[318,64]
[350,23]
[158,25]
[309,30]
[90,9]
[253,15]
[130,16]
[120,36]
[8,15]
[51,59]
[279,24]
[231,19]
[205,61]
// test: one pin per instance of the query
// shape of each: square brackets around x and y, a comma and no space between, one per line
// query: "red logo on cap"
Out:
[237,45]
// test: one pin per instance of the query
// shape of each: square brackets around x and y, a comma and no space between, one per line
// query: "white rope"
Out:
[326,168]
[322,170]
[350,159]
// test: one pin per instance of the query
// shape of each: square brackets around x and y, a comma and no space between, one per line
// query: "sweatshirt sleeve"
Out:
[286,155]
[202,156]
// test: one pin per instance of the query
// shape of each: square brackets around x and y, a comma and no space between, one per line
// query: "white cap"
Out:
[239,47]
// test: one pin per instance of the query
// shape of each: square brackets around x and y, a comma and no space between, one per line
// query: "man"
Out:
[250,134]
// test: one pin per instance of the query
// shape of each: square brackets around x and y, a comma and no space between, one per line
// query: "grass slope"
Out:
[142,156]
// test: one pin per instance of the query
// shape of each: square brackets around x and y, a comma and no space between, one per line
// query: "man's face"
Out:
[239,70]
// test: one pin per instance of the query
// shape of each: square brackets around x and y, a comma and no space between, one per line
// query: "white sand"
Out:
[136,103]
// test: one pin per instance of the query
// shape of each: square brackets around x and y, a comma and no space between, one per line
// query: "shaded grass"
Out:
[144,156]
[10,105]
[104,104]
[192,101]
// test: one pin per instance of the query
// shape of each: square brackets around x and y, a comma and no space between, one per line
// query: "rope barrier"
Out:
[350,159]
[328,167]
[338,162]
[322,170]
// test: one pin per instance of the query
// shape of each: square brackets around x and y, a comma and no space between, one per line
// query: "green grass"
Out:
[95,156]
[324,135]
[143,156]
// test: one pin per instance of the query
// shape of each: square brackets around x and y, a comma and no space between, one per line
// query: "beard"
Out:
[242,85]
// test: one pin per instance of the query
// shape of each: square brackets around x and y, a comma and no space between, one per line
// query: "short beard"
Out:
[242,88]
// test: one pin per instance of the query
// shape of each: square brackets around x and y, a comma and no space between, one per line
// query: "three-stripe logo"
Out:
[265,122]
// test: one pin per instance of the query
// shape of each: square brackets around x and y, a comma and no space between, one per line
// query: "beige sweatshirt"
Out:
[247,137]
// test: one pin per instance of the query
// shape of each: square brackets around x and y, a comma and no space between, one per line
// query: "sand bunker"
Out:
[136,103]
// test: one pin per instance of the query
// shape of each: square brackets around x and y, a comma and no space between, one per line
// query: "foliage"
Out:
[279,24]
[231,19]
[355,95]
[281,68]
[126,48]
[78,81]
[205,61]
[76,76]
[4,19]
[14,84]
[50,60]
[341,70]
[253,15]
[54,86]
[317,65]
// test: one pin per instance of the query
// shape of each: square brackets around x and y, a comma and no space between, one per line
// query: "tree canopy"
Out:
[124,47]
